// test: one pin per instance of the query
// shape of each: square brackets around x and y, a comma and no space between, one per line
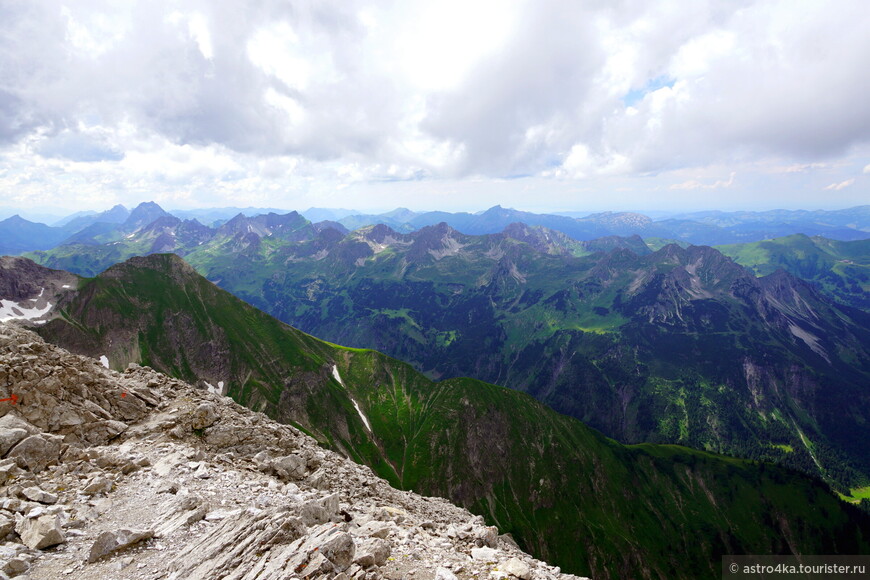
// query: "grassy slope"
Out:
[558,327]
[565,492]
[842,269]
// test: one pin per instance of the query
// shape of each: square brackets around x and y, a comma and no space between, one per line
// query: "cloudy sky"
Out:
[542,105]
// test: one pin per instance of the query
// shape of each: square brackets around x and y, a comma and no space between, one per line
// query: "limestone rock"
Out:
[377,529]
[110,542]
[9,438]
[41,532]
[318,511]
[517,568]
[372,552]
[97,485]
[8,468]
[484,554]
[38,495]
[15,567]
[7,524]
[37,451]
[205,415]
[12,421]
[488,536]
[290,467]
[442,573]
[339,548]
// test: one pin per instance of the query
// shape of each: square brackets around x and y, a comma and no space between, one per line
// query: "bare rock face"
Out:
[136,475]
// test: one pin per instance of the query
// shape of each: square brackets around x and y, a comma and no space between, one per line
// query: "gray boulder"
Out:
[38,495]
[37,451]
[9,438]
[290,467]
[110,542]
[205,415]
[41,532]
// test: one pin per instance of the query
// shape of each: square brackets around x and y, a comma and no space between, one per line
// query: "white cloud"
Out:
[803,167]
[259,97]
[840,185]
[438,44]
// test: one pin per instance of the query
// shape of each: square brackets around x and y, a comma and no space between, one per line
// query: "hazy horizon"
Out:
[48,217]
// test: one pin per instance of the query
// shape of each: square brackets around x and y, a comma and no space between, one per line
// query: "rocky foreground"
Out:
[136,475]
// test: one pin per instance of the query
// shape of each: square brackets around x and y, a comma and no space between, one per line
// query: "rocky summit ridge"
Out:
[136,475]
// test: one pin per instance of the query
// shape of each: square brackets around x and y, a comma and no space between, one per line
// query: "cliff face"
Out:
[26,283]
[137,475]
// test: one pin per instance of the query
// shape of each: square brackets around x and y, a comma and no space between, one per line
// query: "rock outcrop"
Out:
[136,475]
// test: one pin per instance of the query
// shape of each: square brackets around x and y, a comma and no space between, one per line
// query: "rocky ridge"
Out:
[136,475]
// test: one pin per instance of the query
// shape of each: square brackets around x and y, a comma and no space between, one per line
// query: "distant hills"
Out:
[561,489]
[840,269]
[18,236]
[702,228]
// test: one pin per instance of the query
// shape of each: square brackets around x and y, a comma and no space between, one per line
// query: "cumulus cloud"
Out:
[322,94]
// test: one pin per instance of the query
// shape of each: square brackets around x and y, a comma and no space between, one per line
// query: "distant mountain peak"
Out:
[144,213]
[379,232]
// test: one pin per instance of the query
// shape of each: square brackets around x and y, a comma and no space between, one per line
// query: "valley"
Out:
[680,345]
[547,479]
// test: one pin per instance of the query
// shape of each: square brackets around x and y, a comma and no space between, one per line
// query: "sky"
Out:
[455,105]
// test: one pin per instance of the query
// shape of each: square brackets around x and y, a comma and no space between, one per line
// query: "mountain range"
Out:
[564,491]
[674,346]
[18,235]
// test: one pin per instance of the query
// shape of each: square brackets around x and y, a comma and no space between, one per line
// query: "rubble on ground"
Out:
[136,475]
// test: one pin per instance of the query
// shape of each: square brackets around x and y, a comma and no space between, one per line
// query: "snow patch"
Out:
[65,286]
[105,361]
[219,390]
[10,310]
[363,417]
[352,400]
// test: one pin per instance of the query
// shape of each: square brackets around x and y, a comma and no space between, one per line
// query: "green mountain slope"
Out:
[680,346]
[842,269]
[566,493]
[677,346]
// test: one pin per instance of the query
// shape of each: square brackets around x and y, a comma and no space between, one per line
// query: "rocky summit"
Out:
[136,475]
